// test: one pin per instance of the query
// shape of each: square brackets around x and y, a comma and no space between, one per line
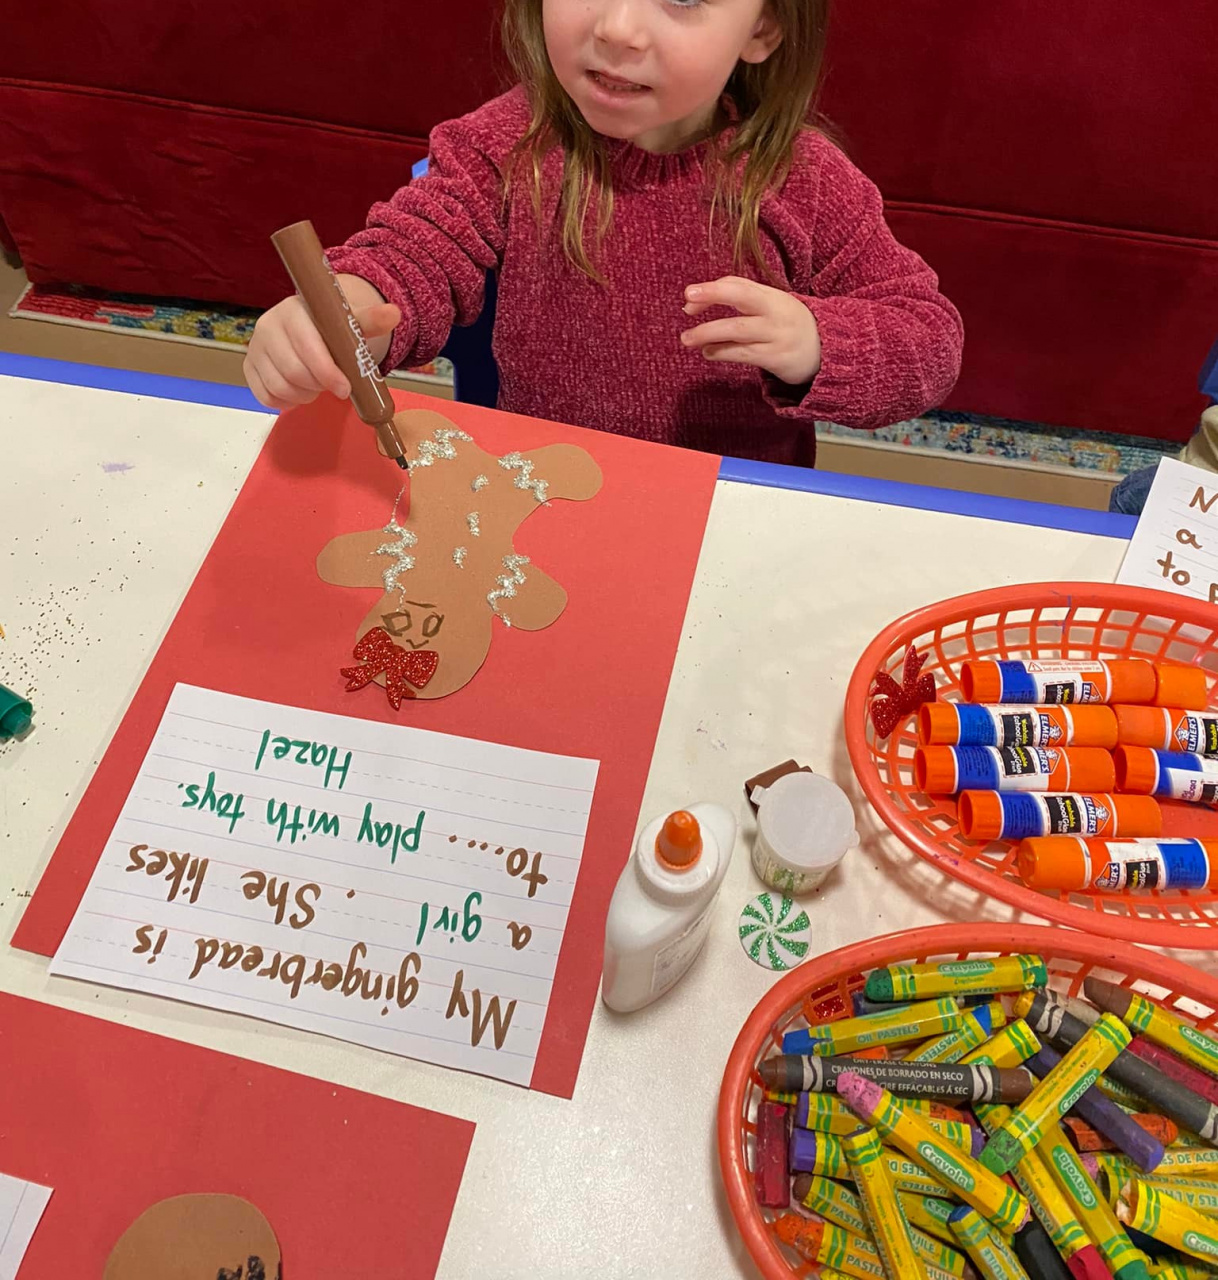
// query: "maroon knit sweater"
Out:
[609,356]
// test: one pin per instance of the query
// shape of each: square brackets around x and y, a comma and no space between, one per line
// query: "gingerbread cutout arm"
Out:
[572,472]
[538,602]
[350,560]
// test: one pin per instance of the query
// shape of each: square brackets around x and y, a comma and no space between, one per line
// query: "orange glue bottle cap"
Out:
[1137,770]
[1179,686]
[679,844]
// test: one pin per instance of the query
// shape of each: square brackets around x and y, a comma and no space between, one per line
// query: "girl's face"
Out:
[652,71]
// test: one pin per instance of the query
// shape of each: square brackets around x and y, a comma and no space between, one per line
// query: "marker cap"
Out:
[1137,770]
[679,844]
[1179,686]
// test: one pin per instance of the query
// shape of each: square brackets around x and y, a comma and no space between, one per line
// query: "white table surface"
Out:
[108,503]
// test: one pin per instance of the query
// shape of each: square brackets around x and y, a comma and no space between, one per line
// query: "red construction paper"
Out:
[113,1120]
[259,622]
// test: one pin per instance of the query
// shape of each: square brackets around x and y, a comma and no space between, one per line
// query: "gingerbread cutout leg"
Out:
[199,1237]
[449,567]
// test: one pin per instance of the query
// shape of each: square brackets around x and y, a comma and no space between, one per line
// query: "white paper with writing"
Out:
[21,1207]
[1175,546]
[399,888]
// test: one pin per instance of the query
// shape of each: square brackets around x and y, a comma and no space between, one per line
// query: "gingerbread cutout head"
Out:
[198,1237]
[446,559]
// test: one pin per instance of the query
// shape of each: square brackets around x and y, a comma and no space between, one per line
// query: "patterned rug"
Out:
[997,440]
[204,324]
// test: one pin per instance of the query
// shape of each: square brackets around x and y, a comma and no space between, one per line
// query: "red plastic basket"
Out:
[1039,620]
[1070,957]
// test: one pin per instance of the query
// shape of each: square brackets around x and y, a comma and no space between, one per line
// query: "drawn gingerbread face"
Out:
[449,568]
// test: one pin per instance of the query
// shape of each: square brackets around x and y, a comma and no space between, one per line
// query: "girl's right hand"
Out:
[288,364]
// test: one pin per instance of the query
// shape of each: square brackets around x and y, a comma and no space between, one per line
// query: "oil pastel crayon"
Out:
[803,1144]
[797,1073]
[900,982]
[1170,1221]
[1056,1093]
[1168,729]
[900,1025]
[928,1214]
[1188,1109]
[840,1205]
[1101,1116]
[975,1028]
[973,1183]
[838,1252]
[889,1230]
[965,724]
[1195,1192]
[991,1254]
[862,1005]
[946,771]
[1026,815]
[1122,1259]
[1055,681]
[877,1053]
[1156,1023]
[1090,1139]
[770,1176]
[1176,1068]
[1115,866]
[1035,1250]
[826,1113]
[1178,1162]
[1175,775]
[821,1154]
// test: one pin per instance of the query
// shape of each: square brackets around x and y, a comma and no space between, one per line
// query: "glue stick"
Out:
[1112,866]
[1014,815]
[1178,775]
[946,770]
[967,725]
[1168,729]
[1126,680]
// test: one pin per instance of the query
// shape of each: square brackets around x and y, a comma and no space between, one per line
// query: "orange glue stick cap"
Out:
[1180,687]
[1054,862]
[1137,770]
[1145,726]
[938,724]
[679,844]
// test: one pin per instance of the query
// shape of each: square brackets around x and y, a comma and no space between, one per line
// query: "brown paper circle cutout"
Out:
[197,1237]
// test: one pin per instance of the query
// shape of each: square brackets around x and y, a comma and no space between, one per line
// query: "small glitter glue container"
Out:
[15,713]
[805,826]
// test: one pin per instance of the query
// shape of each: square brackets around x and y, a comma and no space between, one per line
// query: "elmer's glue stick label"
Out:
[947,770]
[1168,729]
[1178,775]
[996,815]
[1052,681]
[971,725]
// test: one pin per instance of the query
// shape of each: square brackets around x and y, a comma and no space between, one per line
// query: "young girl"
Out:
[655,165]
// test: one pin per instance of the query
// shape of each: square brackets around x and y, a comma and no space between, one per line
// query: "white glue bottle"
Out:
[660,912]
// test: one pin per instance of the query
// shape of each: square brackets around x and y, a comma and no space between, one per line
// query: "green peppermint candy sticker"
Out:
[774,932]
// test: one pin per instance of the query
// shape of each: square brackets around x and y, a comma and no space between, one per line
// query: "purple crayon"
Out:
[1101,1113]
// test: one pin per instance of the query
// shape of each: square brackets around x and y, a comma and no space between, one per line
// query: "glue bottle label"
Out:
[1055,682]
[672,961]
[1183,776]
[1147,864]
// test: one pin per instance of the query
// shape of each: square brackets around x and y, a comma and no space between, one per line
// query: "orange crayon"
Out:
[944,771]
[1085,1138]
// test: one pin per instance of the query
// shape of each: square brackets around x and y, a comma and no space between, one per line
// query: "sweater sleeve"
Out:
[429,247]
[891,342]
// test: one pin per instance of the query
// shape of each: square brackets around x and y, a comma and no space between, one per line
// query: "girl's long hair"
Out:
[772,102]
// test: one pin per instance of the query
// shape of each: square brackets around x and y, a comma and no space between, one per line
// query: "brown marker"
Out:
[330,311]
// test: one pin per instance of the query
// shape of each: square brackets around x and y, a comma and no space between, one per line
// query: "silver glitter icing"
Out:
[516,462]
[399,549]
[507,583]
[472,521]
[459,554]
[440,447]
[480,482]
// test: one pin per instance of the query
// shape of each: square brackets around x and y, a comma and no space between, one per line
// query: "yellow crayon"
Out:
[889,1229]
[1155,1023]
[841,1206]
[991,1254]
[1056,1093]
[1203,1197]
[955,977]
[892,1026]
[928,1214]
[1170,1221]
[831,1246]
[1092,1210]
[1177,1162]
[908,1132]
[1010,1047]
[976,1026]
[830,1162]
[825,1113]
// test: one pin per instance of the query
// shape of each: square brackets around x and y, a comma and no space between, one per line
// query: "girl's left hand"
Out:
[774,330]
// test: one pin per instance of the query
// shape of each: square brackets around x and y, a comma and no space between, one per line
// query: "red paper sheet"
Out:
[259,622]
[113,1120]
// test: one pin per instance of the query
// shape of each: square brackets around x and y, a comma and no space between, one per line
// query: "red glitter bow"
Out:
[900,699]
[401,667]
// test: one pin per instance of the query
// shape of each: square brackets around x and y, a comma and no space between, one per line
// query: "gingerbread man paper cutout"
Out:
[449,568]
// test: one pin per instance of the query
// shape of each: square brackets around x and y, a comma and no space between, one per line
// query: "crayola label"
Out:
[1187,777]
[1154,864]
[1005,768]
[1065,814]
[1054,682]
